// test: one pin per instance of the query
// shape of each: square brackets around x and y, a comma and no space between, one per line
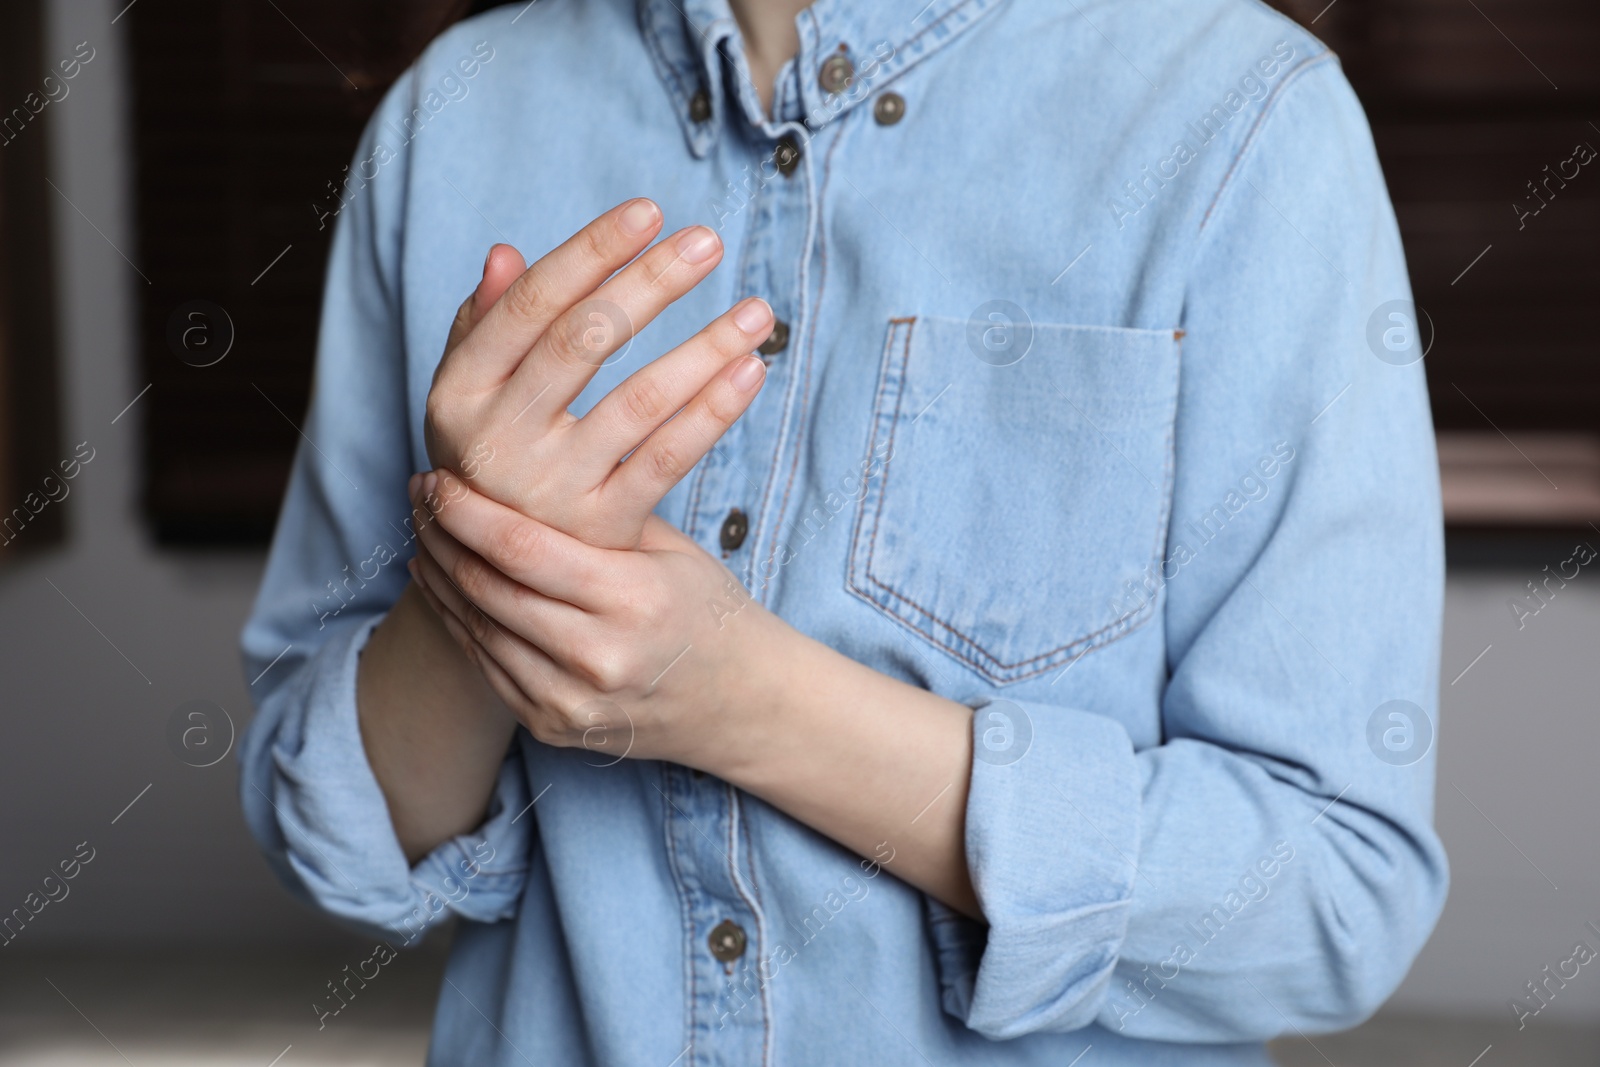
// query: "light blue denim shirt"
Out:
[1097,412]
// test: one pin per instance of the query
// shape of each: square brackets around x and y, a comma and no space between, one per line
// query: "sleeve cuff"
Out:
[480,876]
[1052,841]
[335,831]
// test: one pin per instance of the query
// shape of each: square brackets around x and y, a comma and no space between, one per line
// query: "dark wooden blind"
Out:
[1478,109]
[30,442]
[1470,103]
[243,112]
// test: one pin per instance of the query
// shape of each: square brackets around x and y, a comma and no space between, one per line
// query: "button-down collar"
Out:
[692,42]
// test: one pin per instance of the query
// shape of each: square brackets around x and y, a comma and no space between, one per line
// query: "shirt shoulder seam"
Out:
[1267,111]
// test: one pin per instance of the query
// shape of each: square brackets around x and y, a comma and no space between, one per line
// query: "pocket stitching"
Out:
[1115,629]
[877,418]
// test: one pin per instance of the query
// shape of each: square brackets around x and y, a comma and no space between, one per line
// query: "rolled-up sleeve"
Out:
[1271,863]
[337,564]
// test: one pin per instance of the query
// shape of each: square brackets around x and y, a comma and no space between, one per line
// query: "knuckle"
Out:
[655,281]
[439,409]
[525,603]
[566,723]
[518,544]
[545,728]
[471,576]
[665,274]
[524,298]
[649,608]
[605,669]
[644,401]
[723,406]
[566,339]
[592,240]
[666,462]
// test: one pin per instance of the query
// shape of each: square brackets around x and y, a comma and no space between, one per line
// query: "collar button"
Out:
[836,74]
[700,106]
[786,154]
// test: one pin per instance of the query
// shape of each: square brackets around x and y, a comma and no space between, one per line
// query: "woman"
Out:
[1001,664]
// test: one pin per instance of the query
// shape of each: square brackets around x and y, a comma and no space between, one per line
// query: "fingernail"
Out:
[748,374]
[487,259]
[753,315]
[429,481]
[697,245]
[411,485]
[413,569]
[639,216]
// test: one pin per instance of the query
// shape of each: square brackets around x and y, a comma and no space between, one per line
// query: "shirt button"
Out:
[836,74]
[700,106]
[889,109]
[777,340]
[786,155]
[727,941]
[734,529]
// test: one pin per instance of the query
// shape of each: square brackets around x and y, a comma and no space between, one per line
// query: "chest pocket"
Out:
[1015,502]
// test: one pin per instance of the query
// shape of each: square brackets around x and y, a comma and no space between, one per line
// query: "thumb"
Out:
[500,268]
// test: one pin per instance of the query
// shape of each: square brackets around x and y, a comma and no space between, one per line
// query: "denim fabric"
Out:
[1078,423]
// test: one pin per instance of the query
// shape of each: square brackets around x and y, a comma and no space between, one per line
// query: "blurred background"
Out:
[165,166]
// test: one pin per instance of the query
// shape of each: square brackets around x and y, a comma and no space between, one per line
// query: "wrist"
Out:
[433,732]
[760,706]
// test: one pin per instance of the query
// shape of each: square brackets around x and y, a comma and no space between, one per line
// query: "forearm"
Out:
[434,732]
[873,763]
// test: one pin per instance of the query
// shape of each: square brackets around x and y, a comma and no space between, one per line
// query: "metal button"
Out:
[889,108]
[786,154]
[727,941]
[777,340]
[734,529]
[836,73]
[700,106]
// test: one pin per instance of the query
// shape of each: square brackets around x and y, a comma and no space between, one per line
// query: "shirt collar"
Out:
[690,42]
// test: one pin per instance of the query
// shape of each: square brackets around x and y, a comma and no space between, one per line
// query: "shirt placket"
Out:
[728,1019]
[766,217]
[766,213]
[765,181]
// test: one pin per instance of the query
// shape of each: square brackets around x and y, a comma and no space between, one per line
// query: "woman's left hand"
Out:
[651,653]
[658,652]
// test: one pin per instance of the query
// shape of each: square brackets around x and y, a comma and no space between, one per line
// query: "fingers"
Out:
[462,620]
[650,396]
[465,581]
[489,354]
[667,455]
[466,529]
[566,356]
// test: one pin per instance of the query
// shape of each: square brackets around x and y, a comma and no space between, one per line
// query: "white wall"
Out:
[86,732]
[1520,739]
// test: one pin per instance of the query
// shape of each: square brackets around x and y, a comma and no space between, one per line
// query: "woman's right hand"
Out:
[526,343]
